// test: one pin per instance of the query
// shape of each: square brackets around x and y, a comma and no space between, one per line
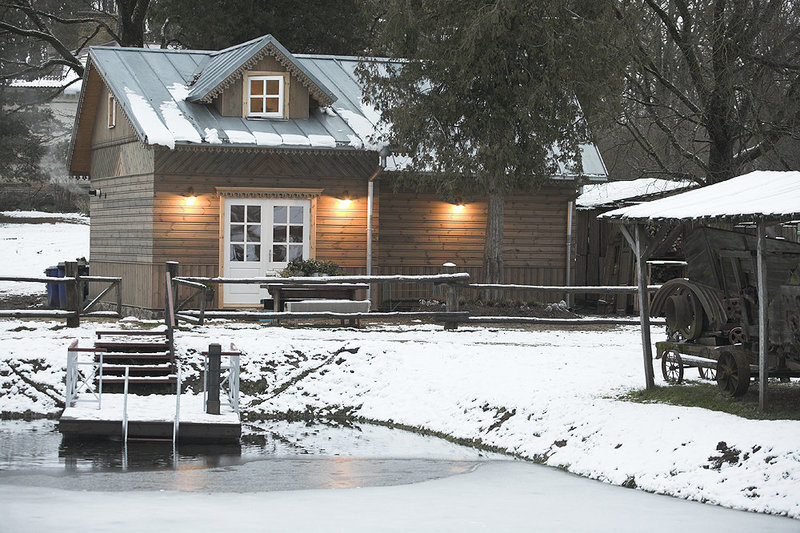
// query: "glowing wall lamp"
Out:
[345,201]
[190,198]
[458,208]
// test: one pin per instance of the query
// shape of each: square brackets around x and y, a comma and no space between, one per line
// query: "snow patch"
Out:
[154,129]
[212,136]
[240,137]
[265,138]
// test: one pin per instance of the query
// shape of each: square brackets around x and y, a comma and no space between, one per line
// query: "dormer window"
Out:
[265,96]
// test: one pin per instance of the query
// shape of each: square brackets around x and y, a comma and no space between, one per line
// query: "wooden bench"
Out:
[285,292]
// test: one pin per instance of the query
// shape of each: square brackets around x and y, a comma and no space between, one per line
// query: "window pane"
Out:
[254,252]
[279,214]
[256,87]
[254,233]
[256,105]
[237,252]
[278,233]
[273,87]
[237,232]
[279,254]
[295,252]
[254,213]
[296,215]
[295,233]
[237,213]
[272,105]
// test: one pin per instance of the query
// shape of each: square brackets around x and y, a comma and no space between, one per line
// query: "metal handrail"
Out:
[176,423]
[77,381]
[125,406]
[231,380]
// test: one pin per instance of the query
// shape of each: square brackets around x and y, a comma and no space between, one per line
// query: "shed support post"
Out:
[644,306]
[763,309]
[74,294]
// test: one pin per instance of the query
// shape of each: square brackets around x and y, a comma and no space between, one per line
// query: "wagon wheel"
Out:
[684,313]
[736,336]
[672,366]
[707,373]
[733,373]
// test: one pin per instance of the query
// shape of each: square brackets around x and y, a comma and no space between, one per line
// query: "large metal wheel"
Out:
[684,313]
[736,336]
[733,373]
[672,366]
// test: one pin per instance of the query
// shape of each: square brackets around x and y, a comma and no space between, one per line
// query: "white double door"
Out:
[261,236]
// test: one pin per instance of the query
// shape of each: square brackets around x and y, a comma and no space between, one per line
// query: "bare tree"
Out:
[713,86]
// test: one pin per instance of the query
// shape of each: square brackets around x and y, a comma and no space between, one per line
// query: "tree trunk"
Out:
[130,22]
[493,246]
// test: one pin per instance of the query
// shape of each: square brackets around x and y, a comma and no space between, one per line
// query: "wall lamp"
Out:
[458,208]
[98,193]
[345,201]
[190,198]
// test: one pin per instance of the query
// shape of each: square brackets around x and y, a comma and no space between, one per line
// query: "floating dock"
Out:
[150,417]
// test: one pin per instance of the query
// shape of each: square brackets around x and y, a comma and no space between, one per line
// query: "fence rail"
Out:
[75,308]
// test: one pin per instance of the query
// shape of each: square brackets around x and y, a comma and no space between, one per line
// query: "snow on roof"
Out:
[769,194]
[608,194]
[154,88]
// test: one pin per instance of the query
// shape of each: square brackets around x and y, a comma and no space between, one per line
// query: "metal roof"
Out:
[761,194]
[155,88]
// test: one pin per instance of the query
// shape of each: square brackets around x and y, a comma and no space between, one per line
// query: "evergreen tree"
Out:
[488,99]
[341,27]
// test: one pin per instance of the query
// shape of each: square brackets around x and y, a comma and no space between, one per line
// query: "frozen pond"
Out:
[281,479]
[274,456]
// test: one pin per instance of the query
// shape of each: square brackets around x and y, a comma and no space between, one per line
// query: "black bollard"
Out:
[214,357]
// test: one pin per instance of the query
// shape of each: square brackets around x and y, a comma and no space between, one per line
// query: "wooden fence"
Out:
[453,283]
[73,290]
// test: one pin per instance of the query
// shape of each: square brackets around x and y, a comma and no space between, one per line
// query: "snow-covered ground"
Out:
[27,249]
[542,394]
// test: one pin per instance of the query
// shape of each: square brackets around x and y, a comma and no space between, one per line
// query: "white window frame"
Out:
[111,111]
[281,96]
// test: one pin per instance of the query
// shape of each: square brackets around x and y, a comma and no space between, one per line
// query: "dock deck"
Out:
[150,417]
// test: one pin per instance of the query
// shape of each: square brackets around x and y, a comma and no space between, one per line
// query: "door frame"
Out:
[225,193]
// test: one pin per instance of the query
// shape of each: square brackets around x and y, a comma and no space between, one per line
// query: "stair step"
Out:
[126,346]
[108,369]
[130,332]
[149,356]
[140,379]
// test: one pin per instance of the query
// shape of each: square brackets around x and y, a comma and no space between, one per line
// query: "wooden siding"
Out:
[419,232]
[229,102]
[191,234]
[136,281]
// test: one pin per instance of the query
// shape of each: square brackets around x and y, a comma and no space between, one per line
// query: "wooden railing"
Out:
[453,282]
[73,290]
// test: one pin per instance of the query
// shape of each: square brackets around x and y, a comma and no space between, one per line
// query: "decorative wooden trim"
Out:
[268,192]
[269,49]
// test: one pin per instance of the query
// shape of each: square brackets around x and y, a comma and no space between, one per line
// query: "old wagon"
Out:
[712,317]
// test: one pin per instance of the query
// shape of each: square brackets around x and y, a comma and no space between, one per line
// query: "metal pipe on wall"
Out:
[570,209]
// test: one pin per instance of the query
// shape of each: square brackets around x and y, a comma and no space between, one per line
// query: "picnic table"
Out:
[283,292]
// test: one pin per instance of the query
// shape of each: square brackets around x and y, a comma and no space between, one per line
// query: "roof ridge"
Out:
[266,37]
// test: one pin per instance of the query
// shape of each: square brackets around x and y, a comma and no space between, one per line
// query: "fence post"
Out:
[451,296]
[72,289]
[214,357]
[172,270]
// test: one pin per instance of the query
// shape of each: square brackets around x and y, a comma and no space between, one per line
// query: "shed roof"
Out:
[612,193]
[163,94]
[773,195]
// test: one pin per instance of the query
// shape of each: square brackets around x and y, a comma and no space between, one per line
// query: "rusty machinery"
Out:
[712,316]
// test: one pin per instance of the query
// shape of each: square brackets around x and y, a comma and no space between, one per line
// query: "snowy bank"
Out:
[546,395]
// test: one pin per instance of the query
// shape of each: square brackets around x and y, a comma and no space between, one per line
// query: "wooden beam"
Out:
[763,303]
[644,306]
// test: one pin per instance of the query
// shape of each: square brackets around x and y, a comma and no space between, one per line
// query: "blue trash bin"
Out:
[62,289]
[53,292]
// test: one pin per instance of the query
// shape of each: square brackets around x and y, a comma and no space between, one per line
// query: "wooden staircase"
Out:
[149,356]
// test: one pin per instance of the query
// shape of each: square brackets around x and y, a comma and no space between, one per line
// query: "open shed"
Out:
[756,200]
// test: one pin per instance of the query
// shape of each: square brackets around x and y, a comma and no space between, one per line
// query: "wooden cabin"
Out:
[237,161]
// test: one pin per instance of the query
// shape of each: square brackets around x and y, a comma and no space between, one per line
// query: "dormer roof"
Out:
[223,68]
